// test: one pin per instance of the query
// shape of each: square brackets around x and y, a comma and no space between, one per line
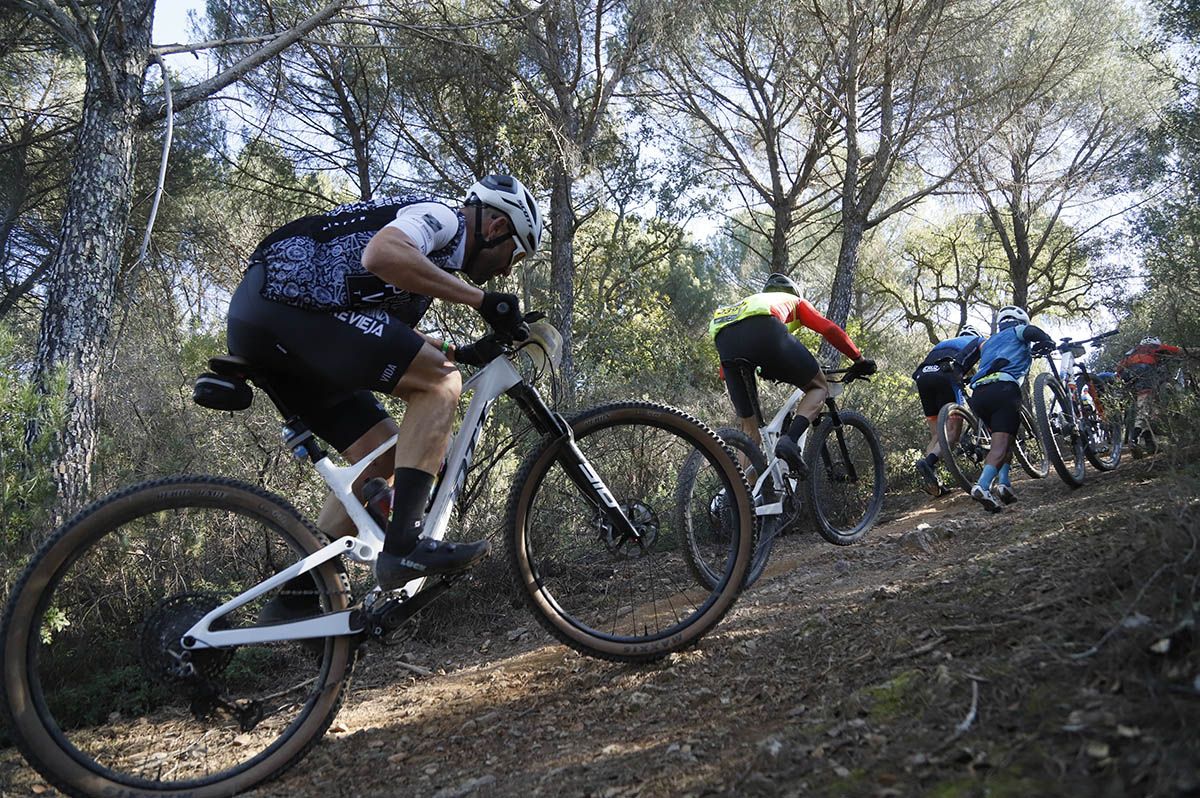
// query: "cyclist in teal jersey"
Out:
[759,329]
[996,398]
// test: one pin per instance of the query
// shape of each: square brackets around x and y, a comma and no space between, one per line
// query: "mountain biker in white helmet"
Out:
[939,380]
[1004,360]
[329,306]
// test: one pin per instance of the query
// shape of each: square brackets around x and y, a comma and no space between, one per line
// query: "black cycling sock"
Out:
[408,508]
[797,428]
[932,458]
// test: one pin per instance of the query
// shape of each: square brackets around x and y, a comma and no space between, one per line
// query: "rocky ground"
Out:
[1049,650]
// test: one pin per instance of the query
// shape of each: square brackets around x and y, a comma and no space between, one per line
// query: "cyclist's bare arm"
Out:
[393,257]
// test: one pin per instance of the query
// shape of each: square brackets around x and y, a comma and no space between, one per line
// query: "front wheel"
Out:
[964,443]
[845,477]
[625,596]
[100,695]
[1056,425]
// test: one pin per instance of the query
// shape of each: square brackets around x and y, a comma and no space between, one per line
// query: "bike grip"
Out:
[521,333]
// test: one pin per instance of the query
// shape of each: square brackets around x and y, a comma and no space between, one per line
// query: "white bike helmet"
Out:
[1151,341]
[1011,314]
[969,329]
[506,194]
[782,283]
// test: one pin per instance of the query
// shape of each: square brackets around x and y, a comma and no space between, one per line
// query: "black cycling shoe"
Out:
[429,558]
[929,477]
[787,450]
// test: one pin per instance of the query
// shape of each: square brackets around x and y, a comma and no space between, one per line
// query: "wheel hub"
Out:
[644,521]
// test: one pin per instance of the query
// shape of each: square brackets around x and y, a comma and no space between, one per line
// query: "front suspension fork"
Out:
[577,467]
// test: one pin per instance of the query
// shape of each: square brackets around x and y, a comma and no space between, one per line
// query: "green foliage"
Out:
[26,487]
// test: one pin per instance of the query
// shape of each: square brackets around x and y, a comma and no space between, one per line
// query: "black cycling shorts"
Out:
[323,364]
[936,388]
[765,342]
[998,404]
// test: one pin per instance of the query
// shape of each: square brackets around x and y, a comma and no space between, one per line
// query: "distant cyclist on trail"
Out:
[759,329]
[329,305]
[1142,368]
[1004,361]
[939,380]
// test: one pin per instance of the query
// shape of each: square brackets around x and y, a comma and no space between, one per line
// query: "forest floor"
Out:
[1048,650]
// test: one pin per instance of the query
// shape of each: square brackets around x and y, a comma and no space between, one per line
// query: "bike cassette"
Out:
[163,656]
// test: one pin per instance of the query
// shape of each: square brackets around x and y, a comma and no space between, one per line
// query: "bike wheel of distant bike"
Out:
[964,456]
[769,527]
[845,476]
[1106,441]
[1056,424]
[1028,448]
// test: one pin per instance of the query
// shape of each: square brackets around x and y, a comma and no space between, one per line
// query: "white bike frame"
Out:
[776,468]
[488,384]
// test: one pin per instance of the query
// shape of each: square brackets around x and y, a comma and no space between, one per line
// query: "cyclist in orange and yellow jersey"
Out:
[760,329]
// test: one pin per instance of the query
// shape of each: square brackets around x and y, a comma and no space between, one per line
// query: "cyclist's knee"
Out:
[818,386]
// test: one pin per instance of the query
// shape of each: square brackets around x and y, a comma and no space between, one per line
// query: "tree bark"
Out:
[562,273]
[83,272]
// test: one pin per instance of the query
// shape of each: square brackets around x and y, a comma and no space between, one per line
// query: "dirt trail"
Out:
[1020,654]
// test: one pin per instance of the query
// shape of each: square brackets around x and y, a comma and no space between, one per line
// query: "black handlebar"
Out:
[1067,343]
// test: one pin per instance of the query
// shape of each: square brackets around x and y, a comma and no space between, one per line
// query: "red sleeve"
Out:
[807,315]
[1167,349]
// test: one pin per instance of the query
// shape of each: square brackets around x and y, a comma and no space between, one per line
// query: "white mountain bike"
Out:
[134,663]
[843,491]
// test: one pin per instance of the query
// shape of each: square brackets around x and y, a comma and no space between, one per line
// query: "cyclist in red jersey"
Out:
[759,329]
[1142,369]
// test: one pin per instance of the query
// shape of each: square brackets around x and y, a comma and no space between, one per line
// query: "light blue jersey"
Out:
[1006,356]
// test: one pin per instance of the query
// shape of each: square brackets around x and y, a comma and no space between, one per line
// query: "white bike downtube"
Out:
[488,384]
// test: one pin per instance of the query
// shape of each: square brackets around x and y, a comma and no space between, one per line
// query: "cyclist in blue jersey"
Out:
[328,307]
[939,380]
[1004,360]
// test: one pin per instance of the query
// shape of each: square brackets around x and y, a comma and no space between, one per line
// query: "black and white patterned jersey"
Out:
[316,262]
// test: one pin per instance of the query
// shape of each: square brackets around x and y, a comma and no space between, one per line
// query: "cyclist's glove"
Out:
[480,353]
[502,312]
[861,368]
[1042,348]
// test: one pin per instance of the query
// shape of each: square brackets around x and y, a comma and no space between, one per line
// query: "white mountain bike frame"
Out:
[776,469]
[488,384]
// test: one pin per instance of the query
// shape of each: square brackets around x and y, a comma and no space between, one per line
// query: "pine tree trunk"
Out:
[83,273]
[562,275]
[843,284]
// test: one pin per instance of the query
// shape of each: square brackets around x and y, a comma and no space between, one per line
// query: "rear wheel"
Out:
[964,443]
[845,477]
[607,594]
[703,530]
[1056,424]
[1028,448]
[101,696]
[1105,439]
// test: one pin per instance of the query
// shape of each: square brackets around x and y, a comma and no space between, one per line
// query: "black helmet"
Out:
[782,283]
